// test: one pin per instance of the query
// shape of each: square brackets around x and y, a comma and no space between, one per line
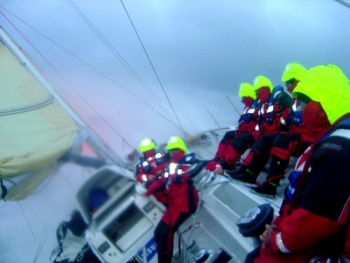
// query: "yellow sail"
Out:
[35,131]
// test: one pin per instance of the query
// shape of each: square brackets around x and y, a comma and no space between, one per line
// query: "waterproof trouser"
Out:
[164,237]
[238,146]
[260,153]
[225,142]
[284,146]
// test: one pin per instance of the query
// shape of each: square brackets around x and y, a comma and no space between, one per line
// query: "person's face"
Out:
[172,152]
[176,155]
[263,94]
[149,154]
[247,101]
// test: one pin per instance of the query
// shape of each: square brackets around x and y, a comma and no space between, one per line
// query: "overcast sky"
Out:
[155,68]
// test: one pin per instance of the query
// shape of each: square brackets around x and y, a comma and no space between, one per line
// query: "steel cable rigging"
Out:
[105,41]
[95,69]
[65,80]
[154,70]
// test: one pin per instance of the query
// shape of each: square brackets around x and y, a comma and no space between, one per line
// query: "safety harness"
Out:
[297,179]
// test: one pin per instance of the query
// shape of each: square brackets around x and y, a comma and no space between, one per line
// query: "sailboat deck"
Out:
[29,226]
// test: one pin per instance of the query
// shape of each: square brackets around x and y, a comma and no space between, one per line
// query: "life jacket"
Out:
[295,116]
[181,194]
[249,113]
[152,161]
[173,171]
[269,115]
[303,163]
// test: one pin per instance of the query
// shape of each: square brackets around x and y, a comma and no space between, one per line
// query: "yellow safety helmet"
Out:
[293,71]
[246,90]
[262,81]
[176,142]
[147,145]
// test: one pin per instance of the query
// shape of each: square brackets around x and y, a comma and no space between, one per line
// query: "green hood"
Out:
[328,86]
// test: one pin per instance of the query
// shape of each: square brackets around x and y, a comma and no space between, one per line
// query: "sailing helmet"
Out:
[147,145]
[176,142]
[262,81]
[246,90]
[293,71]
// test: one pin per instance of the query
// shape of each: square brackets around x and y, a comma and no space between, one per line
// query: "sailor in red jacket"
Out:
[247,121]
[182,198]
[313,225]
[273,104]
[151,167]
[306,122]
[260,151]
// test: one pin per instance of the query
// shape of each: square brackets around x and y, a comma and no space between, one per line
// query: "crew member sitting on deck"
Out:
[307,122]
[273,104]
[313,222]
[246,123]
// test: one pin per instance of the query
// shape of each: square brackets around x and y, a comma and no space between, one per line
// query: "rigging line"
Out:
[111,48]
[79,59]
[212,116]
[100,116]
[154,70]
[27,221]
[64,79]
[162,114]
[234,106]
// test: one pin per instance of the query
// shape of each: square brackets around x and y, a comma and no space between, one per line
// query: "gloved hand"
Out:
[211,166]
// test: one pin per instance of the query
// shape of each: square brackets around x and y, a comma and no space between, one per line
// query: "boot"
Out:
[239,171]
[267,189]
[256,164]
[245,177]
[276,170]
[226,166]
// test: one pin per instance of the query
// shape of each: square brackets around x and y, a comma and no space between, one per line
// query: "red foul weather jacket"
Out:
[314,217]
[271,111]
[152,166]
[314,123]
[249,118]
[151,169]
[182,194]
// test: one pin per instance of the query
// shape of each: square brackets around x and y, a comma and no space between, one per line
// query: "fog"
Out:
[159,68]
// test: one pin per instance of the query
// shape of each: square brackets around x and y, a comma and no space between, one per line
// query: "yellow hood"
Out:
[328,86]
